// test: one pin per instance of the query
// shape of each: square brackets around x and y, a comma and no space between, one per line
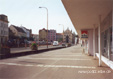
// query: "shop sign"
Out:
[84,34]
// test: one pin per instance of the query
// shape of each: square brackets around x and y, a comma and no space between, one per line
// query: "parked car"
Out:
[55,43]
[64,44]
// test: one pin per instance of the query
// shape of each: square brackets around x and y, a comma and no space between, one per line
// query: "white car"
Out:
[55,43]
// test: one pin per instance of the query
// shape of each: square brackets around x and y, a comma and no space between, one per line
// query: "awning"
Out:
[85,13]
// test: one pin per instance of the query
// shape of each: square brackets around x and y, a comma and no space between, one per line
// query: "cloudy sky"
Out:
[28,14]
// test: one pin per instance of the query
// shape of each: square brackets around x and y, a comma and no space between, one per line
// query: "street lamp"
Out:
[47,24]
[63,31]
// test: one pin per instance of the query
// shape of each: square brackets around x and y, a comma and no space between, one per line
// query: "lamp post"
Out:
[63,31]
[47,24]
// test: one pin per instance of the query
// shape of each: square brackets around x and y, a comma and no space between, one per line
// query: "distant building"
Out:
[27,31]
[43,34]
[73,38]
[59,37]
[19,32]
[51,35]
[3,29]
[35,37]
[68,36]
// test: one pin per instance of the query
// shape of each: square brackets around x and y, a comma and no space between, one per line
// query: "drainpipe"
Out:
[99,41]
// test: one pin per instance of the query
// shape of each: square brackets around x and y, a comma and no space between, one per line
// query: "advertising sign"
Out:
[84,34]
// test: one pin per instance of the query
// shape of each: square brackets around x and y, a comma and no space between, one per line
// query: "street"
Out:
[67,63]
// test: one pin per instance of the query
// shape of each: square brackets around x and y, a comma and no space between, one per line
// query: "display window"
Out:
[104,40]
[111,44]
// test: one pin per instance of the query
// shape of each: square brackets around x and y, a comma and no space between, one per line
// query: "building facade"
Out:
[67,36]
[51,35]
[27,31]
[35,37]
[3,29]
[43,34]
[59,37]
[106,37]
[19,32]
[97,21]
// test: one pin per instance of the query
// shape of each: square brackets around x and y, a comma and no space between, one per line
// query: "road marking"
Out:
[53,58]
[59,55]
[44,69]
[65,66]
[10,64]
[49,66]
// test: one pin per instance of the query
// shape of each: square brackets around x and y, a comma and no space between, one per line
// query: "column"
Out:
[108,42]
[99,41]
[94,42]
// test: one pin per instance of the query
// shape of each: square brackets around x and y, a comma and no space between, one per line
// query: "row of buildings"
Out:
[20,31]
[67,36]
[20,34]
[12,32]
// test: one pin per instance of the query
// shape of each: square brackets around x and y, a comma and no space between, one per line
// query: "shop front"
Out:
[96,16]
[106,37]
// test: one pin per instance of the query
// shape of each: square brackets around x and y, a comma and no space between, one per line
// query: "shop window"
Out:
[111,44]
[104,40]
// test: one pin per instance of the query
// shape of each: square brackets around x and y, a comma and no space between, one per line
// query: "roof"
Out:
[19,29]
[59,33]
[3,18]
[42,29]
[35,34]
[85,13]
[26,28]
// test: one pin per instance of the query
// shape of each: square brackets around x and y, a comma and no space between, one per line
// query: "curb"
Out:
[28,53]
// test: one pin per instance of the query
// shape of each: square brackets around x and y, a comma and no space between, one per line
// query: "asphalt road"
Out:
[67,63]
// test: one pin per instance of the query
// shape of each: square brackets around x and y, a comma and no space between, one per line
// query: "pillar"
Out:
[99,41]
[94,42]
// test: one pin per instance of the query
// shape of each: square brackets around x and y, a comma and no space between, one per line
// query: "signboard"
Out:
[84,34]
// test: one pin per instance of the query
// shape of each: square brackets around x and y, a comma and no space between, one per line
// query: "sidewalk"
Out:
[68,63]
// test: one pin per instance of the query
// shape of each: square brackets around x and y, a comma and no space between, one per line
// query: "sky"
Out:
[28,14]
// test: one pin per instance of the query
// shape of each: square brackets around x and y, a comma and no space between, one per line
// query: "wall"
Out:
[106,25]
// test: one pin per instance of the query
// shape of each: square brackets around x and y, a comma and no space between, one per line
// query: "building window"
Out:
[111,46]
[1,32]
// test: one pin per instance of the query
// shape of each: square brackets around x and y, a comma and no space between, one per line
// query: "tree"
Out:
[60,39]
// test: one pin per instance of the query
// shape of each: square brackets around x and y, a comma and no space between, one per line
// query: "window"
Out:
[1,32]
[1,24]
